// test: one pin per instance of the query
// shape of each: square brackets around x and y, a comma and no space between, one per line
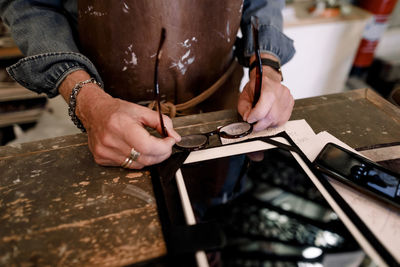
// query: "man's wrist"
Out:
[265,55]
[77,89]
[72,101]
[267,61]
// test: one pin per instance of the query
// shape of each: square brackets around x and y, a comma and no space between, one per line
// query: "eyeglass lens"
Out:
[235,130]
[193,142]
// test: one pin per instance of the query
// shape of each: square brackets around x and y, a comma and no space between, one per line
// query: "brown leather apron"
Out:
[121,38]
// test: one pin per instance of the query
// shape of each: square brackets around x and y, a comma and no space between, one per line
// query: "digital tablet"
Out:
[258,203]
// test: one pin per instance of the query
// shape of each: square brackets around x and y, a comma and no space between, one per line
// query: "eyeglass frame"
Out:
[257,92]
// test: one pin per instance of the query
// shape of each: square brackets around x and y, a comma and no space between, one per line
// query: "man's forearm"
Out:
[43,33]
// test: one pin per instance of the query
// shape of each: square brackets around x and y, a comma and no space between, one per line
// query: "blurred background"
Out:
[340,45]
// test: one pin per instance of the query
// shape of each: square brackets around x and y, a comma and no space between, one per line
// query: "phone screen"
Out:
[270,211]
[358,170]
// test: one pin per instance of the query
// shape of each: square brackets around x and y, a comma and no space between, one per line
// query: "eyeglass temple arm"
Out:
[258,85]
[156,85]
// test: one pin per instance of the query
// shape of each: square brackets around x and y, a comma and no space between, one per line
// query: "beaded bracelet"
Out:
[72,102]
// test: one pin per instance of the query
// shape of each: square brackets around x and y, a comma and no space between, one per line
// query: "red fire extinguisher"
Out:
[381,10]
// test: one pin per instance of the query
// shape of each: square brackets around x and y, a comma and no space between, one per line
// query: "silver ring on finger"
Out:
[128,165]
[125,163]
[134,154]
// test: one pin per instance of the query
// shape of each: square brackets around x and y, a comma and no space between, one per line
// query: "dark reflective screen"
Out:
[270,212]
[360,172]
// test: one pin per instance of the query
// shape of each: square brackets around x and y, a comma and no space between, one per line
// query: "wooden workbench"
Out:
[58,207]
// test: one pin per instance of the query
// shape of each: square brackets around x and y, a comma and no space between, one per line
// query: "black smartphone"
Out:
[359,172]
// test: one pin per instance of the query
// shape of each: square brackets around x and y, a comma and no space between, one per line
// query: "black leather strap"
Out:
[268,62]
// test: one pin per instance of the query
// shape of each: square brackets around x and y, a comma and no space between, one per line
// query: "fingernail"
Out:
[175,135]
[246,115]
[251,120]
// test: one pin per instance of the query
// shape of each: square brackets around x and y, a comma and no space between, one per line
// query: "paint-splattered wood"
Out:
[57,207]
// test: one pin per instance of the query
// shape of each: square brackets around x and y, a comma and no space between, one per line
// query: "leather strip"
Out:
[173,110]
[268,62]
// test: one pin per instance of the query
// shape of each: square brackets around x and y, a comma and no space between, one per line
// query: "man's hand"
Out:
[275,104]
[116,126]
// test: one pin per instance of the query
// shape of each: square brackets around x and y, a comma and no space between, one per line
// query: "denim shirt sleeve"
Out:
[43,33]
[271,38]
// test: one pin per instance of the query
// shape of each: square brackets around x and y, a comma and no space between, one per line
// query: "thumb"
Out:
[173,134]
[244,106]
[170,128]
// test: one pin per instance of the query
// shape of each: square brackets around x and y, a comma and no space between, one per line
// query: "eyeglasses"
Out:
[230,131]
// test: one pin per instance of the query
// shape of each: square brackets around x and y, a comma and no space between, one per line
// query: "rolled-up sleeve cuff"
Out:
[272,41]
[44,73]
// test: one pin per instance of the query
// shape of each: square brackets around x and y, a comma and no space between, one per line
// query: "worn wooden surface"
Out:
[57,207]
[359,118]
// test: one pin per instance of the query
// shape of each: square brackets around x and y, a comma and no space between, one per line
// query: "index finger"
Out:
[145,143]
[151,118]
